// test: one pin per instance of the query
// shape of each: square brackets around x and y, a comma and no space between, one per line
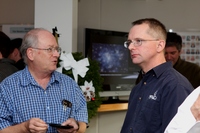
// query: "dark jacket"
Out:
[190,70]
[7,67]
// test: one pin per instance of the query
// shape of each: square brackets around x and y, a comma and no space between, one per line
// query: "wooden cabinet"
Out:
[113,107]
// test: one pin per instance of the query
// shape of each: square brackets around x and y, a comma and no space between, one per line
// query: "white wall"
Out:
[63,15]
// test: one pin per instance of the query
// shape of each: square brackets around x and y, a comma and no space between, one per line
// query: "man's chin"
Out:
[136,61]
[53,68]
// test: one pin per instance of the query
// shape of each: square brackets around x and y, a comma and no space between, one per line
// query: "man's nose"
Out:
[168,57]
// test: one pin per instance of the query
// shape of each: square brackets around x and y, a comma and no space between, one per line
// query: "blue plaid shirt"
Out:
[21,98]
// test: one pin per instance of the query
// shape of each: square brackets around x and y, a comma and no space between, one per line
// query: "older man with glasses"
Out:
[38,98]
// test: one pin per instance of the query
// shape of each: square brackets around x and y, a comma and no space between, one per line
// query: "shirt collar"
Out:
[158,70]
[29,78]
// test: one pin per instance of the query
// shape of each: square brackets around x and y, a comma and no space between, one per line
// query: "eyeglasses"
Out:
[136,43]
[50,50]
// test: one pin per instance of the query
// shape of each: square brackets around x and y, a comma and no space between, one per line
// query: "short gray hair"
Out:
[30,40]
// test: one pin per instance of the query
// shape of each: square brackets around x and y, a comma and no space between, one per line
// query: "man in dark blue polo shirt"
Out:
[155,99]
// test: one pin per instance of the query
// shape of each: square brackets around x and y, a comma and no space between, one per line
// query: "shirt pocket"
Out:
[152,114]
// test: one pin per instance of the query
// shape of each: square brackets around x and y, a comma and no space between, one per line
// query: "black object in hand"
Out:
[60,126]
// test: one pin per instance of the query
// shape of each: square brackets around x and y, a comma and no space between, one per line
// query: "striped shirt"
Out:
[22,98]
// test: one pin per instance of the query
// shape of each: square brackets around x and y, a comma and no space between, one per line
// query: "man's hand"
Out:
[36,125]
[195,109]
[71,122]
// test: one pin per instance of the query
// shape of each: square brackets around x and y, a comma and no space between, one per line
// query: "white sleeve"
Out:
[195,128]
[184,120]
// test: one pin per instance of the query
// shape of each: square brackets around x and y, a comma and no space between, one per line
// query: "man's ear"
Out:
[30,53]
[15,52]
[160,45]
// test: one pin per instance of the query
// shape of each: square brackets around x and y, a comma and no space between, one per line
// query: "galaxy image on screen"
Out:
[113,58]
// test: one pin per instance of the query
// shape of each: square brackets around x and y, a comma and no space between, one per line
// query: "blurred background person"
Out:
[7,66]
[3,39]
[172,53]
[15,53]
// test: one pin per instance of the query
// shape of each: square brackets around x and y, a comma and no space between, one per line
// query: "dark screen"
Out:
[107,48]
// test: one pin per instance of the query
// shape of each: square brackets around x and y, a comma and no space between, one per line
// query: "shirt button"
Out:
[140,98]
[47,107]
[145,83]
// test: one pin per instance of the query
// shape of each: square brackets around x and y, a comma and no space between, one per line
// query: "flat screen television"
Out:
[116,67]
